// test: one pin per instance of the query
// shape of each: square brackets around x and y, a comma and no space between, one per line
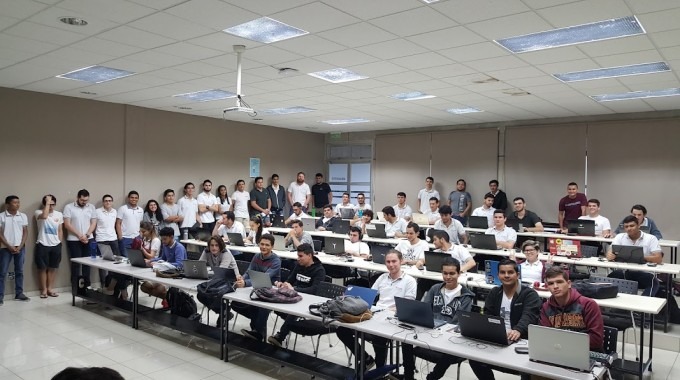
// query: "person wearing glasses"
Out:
[48,245]
[533,269]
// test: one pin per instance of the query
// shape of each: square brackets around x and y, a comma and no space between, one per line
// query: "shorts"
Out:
[47,257]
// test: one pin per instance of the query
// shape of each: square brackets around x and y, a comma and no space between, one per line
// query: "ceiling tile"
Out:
[474,52]
[497,63]
[447,71]
[666,39]
[617,46]
[157,4]
[584,12]
[446,38]
[212,13]
[660,21]
[188,51]
[468,11]
[25,73]
[170,26]
[367,10]
[201,68]
[346,58]
[309,45]
[269,55]
[414,21]
[267,7]
[358,34]
[516,73]
[8,41]
[561,54]
[135,37]
[50,17]
[376,69]
[671,53]
[223,42]
[6,22]
[629,58]
[157,59]
[392,49]
[21,9]
[98,45]
[118,11]
[43,33]
[421,61]
[510,26]
[315,17]
[538,4]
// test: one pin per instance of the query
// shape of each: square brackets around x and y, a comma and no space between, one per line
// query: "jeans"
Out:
[258,316]
[461,219]
[441,361]
[645,280]
[77,249]
[124,244]
[346,336]
[484,371]
[5,257]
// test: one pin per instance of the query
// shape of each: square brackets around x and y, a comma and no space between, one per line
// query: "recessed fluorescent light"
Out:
[613,72]
[413,95]
[337,75]
[345,121]
[460,111]
[286,111]
[597,31]
[96,74]
[430,1]
[75,21]
[265,30]
[637,95]
[206,95]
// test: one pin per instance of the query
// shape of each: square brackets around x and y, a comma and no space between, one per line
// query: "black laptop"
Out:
[136,258]
[416,313]
[434,260]
[378,252]
[278,221]
[581,227]
[478,222]
[486,328]
[347,213]
[334,246]
[341,227]
[376,230]
[483,241]
[629,254]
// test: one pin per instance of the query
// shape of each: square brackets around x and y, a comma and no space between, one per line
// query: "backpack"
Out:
[182,304]
[210,292]
[348,309]
[275,295]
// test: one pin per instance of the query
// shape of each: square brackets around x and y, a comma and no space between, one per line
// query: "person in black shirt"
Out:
[321,193]
[500,200]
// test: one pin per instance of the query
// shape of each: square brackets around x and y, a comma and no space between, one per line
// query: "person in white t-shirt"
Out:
[394,226]
[344,205]
[80,221]
[229,225]
[505,236]
[401,209]
[299,191]
[127,222]
[441,241]
[602,226]
[48,245]
[452,226]
[172,214]
[533,269]
[297,214]
[13,234]
[433,212]
[188,206]
[208,205]
[105,233]
[361,204]
[413,249]
[366,218]
[425,194]
[223,198]
[239,202]
[486,209]
[354,246]
[151,243]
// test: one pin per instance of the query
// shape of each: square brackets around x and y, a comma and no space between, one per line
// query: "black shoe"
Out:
[276,340]
[252,334]
[21,297]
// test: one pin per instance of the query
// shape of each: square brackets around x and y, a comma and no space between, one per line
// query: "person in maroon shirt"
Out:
[572,206]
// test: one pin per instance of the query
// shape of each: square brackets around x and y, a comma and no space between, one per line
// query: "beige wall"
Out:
[59,145]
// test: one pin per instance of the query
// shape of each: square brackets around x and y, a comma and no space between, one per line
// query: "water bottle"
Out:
[93,249]
[185,234]
[360,213]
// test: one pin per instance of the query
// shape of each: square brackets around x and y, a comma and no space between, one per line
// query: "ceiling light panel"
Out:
[96,74]
[597,31]
[346,121]
[613,72]
[460,111]
[413,95]
[265,30]
[286,111]
[338,75]
[637,95]
[206,95]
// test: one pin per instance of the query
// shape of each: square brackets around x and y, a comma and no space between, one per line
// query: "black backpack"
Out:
[182,304]
[210,293]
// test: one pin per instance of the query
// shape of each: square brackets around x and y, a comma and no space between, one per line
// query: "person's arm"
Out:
[654,230]
[308,201]
[560,219]
[468,205]
[592,316]
[583,210]
[411,289]
[180,256]
[330,195]
[531,309]
[289,195]
[274,270]
[538,227]
[506,244]
[255,206]
[202,207]
[491,306]
[24,236]
[419,201]
[46,209]
[654,257]
[119,229]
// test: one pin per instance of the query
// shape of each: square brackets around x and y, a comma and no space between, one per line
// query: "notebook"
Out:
[629,254]
[581,227]
[259,279]
[486,328]
[417,313]
[341,227]
[558,347]
[366,294]
[195,269]
[434,260]
[376,230]
[334,246]
[483,241]
[136,258]
[478,222]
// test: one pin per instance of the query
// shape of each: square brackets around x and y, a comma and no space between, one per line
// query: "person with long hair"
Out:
[256,230]
[151,244]
[153,215]
[223,197]
[216,255]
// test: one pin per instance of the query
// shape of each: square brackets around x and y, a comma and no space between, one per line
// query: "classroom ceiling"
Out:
[445,49]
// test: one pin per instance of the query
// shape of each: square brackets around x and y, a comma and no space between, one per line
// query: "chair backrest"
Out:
[242,266]
[330,290]
[611,337]
[625,286]
[589,250]
[317,245]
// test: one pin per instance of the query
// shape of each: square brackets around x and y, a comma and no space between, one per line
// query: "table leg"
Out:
[224,310]
[642,345]
[135,302]
[651,340]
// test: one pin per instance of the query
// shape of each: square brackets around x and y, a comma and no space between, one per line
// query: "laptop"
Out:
[341,227]
[483,241]
[334,246]
[195,269]
[308,224]
[201,234]
[491,272]
[434,260]
[378,253]
[629,254]
[347,213]
[486,328]
[278,221]
[564,247]
[218,272]
[280,243]
[581,227]
[478,222]
[136,258]
[376,230]
[562,348]
[366,294]
[259,279]
[420,219]
[513,223]
[417,313]
[236,238]
[107,252]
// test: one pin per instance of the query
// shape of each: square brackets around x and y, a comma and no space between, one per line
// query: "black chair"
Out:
[242,266]
[586,251]
[616,319]
[425,354]
[611,338]
[318,245]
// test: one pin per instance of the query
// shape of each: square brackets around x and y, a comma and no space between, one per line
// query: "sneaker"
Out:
[252,334]
[2,302]
[21,297]
[276,340]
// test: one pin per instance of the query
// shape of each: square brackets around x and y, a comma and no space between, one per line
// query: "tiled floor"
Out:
[41,337]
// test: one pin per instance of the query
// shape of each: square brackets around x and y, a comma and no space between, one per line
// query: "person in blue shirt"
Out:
[172,252]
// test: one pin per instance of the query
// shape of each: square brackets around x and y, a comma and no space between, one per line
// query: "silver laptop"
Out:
[347,213]
[107,252]
[308,224]
[136,258]
[259,279]
[197,269]
[558,347]
[420,219]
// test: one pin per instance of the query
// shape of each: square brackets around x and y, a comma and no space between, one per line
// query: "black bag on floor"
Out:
[210,292]
[182,304]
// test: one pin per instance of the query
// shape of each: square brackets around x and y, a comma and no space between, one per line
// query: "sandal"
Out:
[53,294]
[43,295]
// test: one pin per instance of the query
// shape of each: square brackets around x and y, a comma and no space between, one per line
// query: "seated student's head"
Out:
[508,272]
[439,238]
[167,235]
[531,249]
[266,243]
[355,234]
[393,259]
[631,225]
[488,199]
[499,218]
[230,217]
[305,254]
[367,216]
[388,212]
[91,373]
[639,211]
[298,227]
[328,211]
[401,197]
[434,204]
[256,223]
[216,245]
[557,281]
[450,272]
[297,208]
[445,213]
[412,231]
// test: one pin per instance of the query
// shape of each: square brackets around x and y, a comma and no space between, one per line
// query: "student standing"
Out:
[13,233]
[48,245]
